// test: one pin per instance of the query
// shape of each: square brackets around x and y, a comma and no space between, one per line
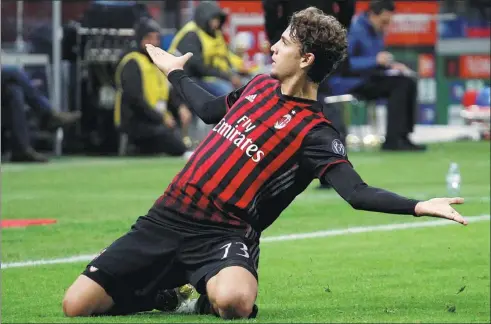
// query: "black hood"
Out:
[206,11]
[145,26]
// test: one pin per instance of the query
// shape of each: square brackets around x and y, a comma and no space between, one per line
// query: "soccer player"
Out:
[270,141]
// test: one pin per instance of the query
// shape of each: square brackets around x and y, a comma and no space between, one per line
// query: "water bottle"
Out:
[453,180]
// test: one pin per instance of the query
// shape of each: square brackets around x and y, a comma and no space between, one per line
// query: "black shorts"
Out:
[152,256]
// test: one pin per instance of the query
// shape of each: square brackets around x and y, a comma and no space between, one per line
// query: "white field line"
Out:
[7,168]
[288,237]
[76,163]
[139,195]
[98,162]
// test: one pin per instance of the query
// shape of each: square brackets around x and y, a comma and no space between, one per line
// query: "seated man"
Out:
[17,90]
[373,74]
[142,107]
[211,61]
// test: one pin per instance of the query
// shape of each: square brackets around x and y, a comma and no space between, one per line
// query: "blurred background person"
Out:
[477,110]
[210,65]
[373,74]
[17,92]
[263,58]
[239,58]
[144,97]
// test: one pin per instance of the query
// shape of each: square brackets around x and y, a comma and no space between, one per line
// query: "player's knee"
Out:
[74,306]
[233,303]
[85,298]
[233,292]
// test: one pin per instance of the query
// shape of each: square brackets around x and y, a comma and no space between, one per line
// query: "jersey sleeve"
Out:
[323,148]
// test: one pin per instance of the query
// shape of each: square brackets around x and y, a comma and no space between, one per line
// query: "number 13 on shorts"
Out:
[242,249]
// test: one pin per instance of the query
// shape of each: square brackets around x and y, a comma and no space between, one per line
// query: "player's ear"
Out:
[307,60]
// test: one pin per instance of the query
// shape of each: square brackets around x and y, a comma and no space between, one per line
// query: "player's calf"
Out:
[232,293]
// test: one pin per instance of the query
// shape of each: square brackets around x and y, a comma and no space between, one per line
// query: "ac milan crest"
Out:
[283,121]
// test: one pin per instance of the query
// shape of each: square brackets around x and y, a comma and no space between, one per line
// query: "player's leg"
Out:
[226,277]
[86,297]
[232,292]
[129,276]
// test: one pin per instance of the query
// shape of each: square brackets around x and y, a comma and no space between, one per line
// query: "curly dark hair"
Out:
[321,35]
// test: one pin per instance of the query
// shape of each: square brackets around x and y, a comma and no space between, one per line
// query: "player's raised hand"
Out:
[166,62]
[441,207]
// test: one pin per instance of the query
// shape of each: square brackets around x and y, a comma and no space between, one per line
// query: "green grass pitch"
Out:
[427,274]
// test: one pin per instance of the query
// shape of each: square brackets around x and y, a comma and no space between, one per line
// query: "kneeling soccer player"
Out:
[270,141]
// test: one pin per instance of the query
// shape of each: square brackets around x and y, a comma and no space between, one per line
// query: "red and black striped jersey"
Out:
[265,151]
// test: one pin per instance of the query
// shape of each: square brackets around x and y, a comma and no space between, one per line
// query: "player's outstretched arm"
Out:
[349,185]
[207,107]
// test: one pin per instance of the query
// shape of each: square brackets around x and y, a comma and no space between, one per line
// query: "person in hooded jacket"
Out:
[211,63]
[145,100]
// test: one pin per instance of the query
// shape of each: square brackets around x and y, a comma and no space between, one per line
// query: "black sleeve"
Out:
[209,108]
[349,185]
[322,148]
[325,155]
[174,101]
[131,82]
[191,43]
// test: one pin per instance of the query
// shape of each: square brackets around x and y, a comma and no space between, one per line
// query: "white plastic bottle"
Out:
[453,180]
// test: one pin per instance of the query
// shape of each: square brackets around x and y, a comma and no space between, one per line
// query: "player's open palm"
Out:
[166,62]
[441,207]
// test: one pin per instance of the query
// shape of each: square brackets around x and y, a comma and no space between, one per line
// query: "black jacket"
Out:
[136,112]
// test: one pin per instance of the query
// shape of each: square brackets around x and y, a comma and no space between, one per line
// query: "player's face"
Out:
[286,57]
[287,60]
